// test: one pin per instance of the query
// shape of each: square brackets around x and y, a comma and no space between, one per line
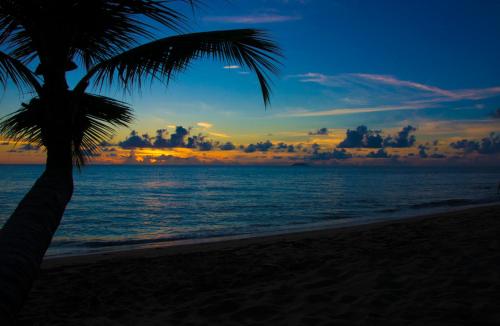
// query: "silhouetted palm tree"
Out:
[114,42]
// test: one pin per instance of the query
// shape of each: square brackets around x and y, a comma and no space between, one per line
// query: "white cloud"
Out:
[421,93]
[218,134]
[232,67]
[205,125]
[357,110]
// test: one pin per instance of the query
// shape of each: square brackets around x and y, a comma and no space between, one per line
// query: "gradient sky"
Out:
[384,64]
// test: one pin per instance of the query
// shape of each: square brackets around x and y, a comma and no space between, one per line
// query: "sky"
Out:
[361,82]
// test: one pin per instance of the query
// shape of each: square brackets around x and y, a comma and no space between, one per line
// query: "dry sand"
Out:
[436,270]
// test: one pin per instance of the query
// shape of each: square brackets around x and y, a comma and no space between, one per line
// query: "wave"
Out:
[132,242]
[455,202]
[389,210]
[255,227]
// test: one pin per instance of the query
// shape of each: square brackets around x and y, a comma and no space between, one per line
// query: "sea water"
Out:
[115,207]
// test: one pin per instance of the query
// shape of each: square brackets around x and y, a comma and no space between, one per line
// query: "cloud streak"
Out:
[357,110]
[253,19]
[375,81]
[390,80]
[377,90]
[205,125]
[218,134]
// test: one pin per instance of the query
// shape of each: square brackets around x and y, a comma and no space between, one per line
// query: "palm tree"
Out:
[114,43]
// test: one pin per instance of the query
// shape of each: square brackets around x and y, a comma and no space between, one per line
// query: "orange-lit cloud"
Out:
[205,125]
[431,148]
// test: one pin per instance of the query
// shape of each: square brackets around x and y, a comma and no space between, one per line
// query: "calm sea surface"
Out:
[116,206]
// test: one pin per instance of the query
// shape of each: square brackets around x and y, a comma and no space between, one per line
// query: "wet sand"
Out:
[433,270]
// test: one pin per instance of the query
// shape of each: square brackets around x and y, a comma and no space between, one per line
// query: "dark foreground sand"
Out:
[441,270]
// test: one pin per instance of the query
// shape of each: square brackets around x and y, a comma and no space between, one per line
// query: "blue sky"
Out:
[450,45]
[384,64]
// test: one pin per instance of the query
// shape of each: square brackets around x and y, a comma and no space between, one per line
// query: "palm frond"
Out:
[163,58]
[95,120]
[93,30]
[24,124]
[15,71]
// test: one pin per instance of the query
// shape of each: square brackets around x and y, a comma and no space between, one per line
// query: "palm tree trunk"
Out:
[28,232]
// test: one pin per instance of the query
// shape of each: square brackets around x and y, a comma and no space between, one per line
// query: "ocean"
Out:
[118,207]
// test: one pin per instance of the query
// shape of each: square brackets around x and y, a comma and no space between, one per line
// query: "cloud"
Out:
[174,160]
[28,147]
[91,154]
[437,155]
[261,147]
[135,158]
[357,110]
[135,141]
[467,146]
[205,146]
[422,151]
[199,142]
[337,154]
[232,67]
[377,89]
[177,139]
[403,139]
[373,80]
[253,19]
[228,146]
[487,145]
[390,80]
[105,143]
[320,132]
[205,125]
[313,77]
[283,147]
[218,134]
[340,154]
[362,137]
[381,153]
[160,141]
[315,148]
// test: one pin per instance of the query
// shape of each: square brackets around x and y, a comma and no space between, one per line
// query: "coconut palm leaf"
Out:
[95,122]
[165,57]
[24,124]
[15,71]
[96,118]
[94,30]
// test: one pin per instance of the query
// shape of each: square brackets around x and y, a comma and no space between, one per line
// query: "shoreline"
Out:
[173,247]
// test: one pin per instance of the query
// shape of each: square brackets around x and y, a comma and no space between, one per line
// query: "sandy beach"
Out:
[432,270]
